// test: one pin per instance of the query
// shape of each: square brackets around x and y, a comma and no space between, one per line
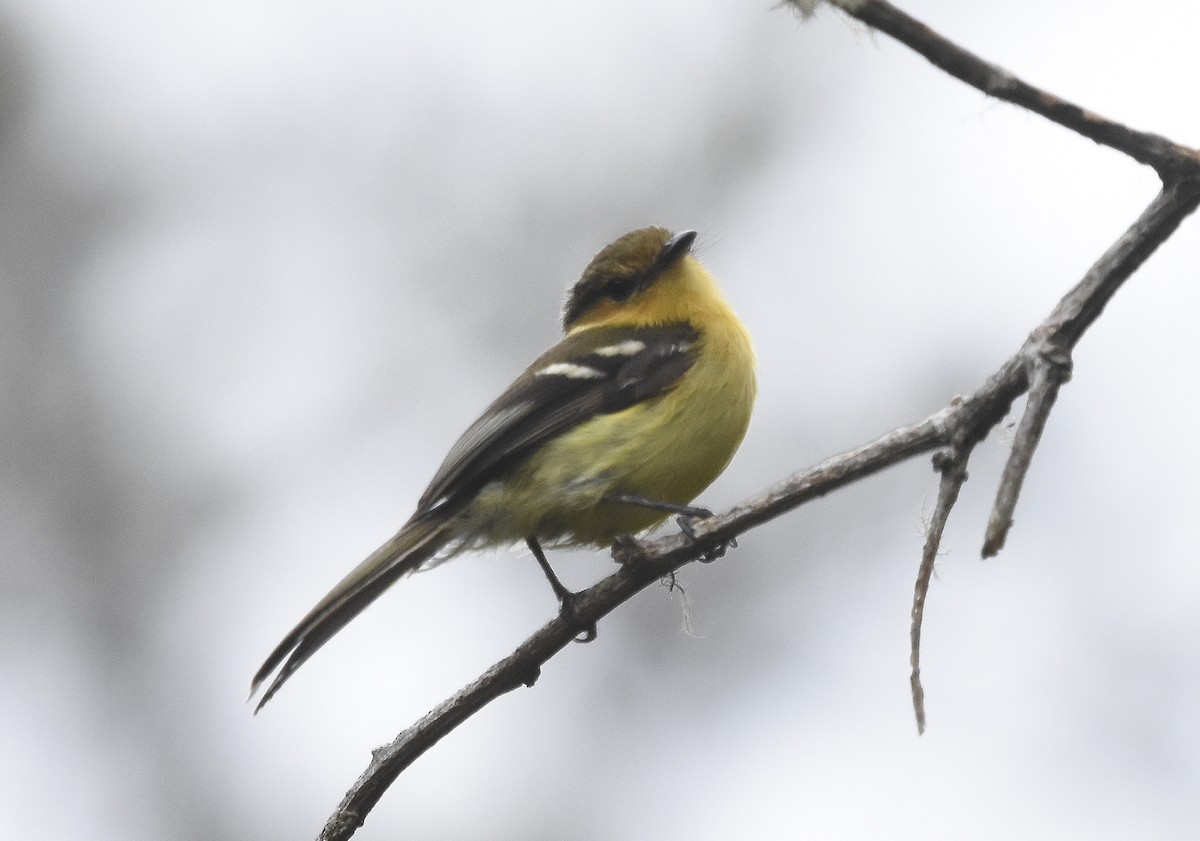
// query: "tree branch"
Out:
[1169,159]
[1046,354]
[1040,366]
[642,564]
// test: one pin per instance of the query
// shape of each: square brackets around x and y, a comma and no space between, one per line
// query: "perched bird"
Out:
[633,413]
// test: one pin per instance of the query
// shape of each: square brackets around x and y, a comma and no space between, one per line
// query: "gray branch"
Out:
[1040,367]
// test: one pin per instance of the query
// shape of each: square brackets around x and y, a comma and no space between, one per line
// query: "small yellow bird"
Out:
[633,413]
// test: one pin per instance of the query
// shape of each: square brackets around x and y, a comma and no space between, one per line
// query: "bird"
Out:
[623,422]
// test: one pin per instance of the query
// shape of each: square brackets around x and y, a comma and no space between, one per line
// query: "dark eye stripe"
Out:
[620,289]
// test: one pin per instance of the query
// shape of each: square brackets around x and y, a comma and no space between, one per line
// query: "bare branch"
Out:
[1043,364]
[1047,377]
[642,564]
[1169,159]
[952,464]
[1040,366]
[1084,303]
[963,423]
[1046,354]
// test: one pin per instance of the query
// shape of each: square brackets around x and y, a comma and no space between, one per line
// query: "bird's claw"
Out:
[585,632]
[687,525]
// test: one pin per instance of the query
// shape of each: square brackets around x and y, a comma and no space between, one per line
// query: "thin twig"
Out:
[952,464]
[1047,378]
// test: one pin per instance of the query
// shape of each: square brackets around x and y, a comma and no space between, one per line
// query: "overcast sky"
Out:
[262,261]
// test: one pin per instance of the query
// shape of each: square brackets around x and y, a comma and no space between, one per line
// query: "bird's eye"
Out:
[620,288]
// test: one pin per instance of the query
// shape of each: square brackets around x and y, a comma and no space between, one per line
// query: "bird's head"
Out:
[625,274]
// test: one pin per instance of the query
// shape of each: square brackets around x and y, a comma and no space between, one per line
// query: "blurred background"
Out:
[262,261]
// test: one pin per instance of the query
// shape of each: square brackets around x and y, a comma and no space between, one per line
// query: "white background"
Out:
[262,261]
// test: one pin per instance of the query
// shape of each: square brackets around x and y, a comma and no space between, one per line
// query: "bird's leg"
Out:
[688,515]
[657,505]
[566,599]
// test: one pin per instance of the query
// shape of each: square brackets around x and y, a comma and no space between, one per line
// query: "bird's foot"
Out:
[584,631]
[687,525]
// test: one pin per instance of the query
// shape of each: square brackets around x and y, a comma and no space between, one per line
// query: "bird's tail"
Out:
[412,546]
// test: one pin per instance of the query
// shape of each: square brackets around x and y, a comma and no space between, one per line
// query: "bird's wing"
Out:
[594,371]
